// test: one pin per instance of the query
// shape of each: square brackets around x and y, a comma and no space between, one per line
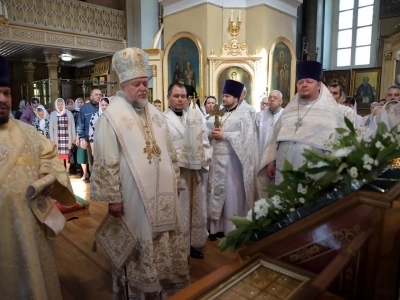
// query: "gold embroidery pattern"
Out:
[25,161]
[163,259]
[126,122]
[105,190]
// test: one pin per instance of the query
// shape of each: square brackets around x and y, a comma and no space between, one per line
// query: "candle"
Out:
[231,18]
[239,16]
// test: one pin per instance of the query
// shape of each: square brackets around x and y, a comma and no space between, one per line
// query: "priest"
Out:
[267,118]
[231,184]
[307,122]
[30,173]
[136,174]
[186,124]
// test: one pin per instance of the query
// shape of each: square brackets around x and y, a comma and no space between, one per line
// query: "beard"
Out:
[140,103]
[4,119]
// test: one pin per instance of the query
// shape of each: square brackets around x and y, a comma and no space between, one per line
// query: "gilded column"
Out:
[29,68]
[52,65]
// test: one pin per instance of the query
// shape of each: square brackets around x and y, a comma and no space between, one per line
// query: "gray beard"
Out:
[139,104]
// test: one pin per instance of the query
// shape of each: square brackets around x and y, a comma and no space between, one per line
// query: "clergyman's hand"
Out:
[116,209]
[271,169]
[217,133]
[48,189]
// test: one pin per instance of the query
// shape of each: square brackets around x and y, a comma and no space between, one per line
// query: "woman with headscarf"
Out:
[62,130]
[41,121]
[104,102]
[208,104]
[21,108]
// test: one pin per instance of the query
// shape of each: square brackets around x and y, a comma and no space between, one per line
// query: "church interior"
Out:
[63,49]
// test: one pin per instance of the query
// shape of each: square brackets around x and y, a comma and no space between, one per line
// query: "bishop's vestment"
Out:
[147,187]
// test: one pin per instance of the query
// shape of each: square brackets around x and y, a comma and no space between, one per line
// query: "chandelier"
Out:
[3,14]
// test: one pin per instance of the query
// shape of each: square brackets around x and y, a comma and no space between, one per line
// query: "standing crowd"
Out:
[171,179]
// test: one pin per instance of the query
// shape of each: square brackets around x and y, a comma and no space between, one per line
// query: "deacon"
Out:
[186,124]
[30,173]
[306,123]
[136,173]
[232,171]
[267,118]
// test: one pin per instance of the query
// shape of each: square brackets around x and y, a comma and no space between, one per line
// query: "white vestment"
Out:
[148,190]
[319,120]
[193,182]
[265,122]
[349,114]
[231,186]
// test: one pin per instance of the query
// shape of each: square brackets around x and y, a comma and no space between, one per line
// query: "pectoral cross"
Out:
[297,124]
[148,150]
[217,113]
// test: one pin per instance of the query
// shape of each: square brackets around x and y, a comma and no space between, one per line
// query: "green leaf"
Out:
[239,221]
[349,125]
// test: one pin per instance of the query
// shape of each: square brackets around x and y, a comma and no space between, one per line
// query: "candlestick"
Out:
[231,18]
[239,16]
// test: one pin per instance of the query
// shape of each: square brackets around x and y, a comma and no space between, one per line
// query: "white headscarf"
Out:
[100,110]
[42,122]
[22,105]
[60,112]
[76,104]
[384,116]
[373,125]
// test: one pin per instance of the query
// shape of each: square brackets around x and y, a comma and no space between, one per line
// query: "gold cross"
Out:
[148,150]
[194,100]
[217,113]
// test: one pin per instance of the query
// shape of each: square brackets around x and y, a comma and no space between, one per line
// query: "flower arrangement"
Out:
[350,165]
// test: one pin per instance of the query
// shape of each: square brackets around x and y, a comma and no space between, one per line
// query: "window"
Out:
[356,25]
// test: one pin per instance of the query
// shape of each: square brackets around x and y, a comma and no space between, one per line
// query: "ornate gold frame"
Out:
[289,44]
[252,265]
[196,40]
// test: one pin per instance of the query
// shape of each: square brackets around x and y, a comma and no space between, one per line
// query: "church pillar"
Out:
[29,68]
[141,23]
[52,65]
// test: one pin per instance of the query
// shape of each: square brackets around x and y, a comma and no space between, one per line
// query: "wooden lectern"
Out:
[363,226]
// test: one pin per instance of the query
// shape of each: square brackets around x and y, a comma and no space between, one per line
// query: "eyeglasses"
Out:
[264,103]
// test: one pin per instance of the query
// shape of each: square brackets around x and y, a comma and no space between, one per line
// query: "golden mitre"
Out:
[130,63]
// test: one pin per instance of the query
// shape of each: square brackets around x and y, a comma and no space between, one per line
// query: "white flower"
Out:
[292,209]
[343,151]
[368,167]
[301,190]
[276,200]
[250,215]
[376,162]
[277,212]
[366,157]
[379,145]
[301,200]
[346,133]
[353,172]
[261,208]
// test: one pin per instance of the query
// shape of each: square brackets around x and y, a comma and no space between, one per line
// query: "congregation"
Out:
[171,179]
